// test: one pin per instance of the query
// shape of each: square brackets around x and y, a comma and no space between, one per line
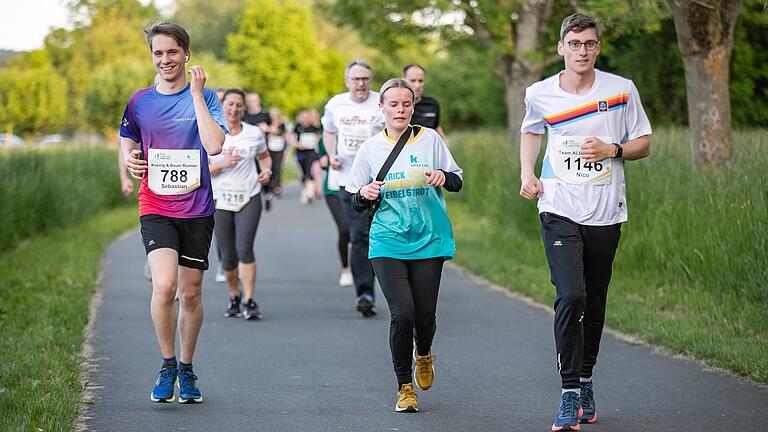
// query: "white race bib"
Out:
[173,172]
[232,195]
[569,166]
[276,143]
[308,141]
[333,179]
[352,137]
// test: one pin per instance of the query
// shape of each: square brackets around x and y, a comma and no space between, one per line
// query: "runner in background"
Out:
[426,112]
[236,186]
[334,205]
[316,169]
[349,119]
[220,93]
[305,138]
[257,116]
[594,121]
[172,124]
[276,145]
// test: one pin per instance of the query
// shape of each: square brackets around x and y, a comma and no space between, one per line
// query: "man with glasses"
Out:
[594,122]
[348,120]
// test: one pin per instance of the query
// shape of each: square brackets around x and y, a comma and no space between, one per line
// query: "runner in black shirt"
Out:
[257,116]
[426,112]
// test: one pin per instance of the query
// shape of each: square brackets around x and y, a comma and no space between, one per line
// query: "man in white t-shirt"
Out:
[348,120]
[594,122]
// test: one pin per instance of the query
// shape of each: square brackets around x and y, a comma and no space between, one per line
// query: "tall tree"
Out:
[705,37]
[519,34]
[208,23]
[512,30]
[277,54]
[34,100]
[110,87]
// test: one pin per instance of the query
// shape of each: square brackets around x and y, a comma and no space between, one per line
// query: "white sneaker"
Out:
[220,274]
[345,279]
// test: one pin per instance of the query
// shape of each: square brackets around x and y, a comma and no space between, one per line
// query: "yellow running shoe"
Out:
[424,374]
[406,399]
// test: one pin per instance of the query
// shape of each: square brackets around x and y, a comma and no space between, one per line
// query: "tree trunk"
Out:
[523,67]
[705,38]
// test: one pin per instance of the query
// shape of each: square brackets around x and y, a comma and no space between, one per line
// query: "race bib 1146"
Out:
[173,172]
[569,167]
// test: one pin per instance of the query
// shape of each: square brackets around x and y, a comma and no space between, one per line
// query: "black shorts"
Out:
[190,238]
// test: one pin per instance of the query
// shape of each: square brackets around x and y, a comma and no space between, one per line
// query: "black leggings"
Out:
[235,232]
[277,164]
[411,288]
[334,205]
[305,159]
[580,260]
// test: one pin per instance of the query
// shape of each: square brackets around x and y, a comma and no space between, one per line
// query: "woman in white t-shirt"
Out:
[237,187]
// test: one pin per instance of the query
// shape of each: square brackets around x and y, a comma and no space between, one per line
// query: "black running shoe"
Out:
[234,307]
[251,310]
[365,306]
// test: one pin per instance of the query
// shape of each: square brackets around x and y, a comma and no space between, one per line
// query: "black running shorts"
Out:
[190,238]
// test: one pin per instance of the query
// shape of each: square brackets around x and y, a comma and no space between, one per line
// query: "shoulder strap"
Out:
[396,151]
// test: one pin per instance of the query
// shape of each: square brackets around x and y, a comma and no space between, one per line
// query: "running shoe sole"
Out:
[576,427]
[253,317]
[188,401]
[160,400]
[408,409]
[589,421]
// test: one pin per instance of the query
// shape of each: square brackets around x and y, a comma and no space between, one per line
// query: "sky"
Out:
[27,22]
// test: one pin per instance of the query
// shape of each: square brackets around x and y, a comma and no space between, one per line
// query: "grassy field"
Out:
[52,188]
[691,273]
[45,291]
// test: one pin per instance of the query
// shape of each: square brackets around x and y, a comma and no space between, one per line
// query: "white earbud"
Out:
[186,58]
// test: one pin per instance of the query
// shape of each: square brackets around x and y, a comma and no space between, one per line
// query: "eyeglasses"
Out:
[361,79]
[575,45]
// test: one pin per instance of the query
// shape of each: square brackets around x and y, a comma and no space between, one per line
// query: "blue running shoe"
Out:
[567,416]
[587,402]
[163,389]
[188,391]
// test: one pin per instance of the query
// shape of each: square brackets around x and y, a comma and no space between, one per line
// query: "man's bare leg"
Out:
[190,310]
[164,264]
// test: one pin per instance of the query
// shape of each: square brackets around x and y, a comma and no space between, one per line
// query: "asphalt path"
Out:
[314,364]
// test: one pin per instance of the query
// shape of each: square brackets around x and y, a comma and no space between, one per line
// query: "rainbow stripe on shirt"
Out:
[587,110]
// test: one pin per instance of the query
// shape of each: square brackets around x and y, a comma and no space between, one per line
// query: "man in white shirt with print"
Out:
[348,120]
[594,122]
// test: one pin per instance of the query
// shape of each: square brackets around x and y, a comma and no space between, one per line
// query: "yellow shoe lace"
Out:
[407,392]
[423,364]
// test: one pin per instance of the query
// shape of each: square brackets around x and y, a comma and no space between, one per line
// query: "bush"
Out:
[42,190]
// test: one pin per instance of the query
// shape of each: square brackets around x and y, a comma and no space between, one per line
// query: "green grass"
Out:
[52,188]
[691,273]
[45,291]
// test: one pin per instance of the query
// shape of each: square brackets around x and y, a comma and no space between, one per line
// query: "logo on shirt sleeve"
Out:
[125,121]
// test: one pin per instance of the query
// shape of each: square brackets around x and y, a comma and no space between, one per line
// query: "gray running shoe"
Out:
[234,307]
[251,311]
